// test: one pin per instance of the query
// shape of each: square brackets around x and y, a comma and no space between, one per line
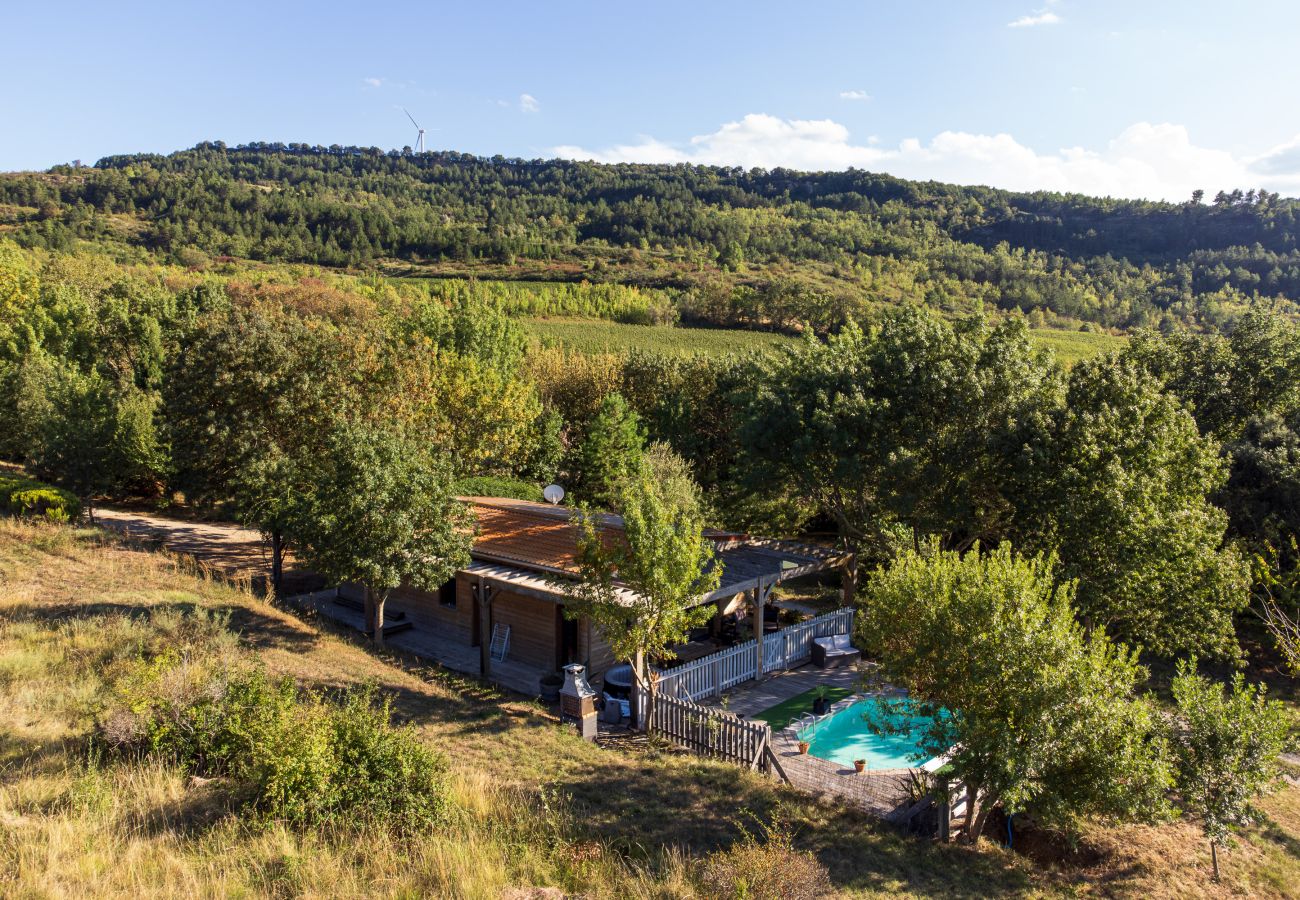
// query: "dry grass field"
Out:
[533,807]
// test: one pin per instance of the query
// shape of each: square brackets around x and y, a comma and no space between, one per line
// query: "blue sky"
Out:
[1150,98]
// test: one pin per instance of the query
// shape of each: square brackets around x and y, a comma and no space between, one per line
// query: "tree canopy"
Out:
[1034,712]
[374,508]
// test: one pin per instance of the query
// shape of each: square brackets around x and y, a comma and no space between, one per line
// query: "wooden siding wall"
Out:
[532,628]
[594,650]
[533,625]
[424,610]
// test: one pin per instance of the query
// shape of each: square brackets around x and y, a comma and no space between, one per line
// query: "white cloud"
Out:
[373,82]
[1043,16]
[1283,160]
[854,95]
[528,103]
[1157,161]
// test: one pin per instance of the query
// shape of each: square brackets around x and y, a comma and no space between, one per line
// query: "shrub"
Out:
[764,870]
[494,486]
[293,756]
[26,497]
[45,503]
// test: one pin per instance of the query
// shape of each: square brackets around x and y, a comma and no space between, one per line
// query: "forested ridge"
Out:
[742,247]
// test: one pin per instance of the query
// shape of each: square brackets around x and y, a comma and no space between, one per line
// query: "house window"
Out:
[447,594]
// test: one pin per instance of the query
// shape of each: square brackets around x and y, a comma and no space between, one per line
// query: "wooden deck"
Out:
[424,643]
[752,697]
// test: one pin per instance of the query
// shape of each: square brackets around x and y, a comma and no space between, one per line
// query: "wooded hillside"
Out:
[741,247]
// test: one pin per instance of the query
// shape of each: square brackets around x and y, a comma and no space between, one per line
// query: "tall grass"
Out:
[77,821]
[1073,347]
[528,804]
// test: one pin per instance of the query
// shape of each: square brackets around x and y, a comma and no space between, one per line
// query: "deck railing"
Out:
[710,675]
[792,646]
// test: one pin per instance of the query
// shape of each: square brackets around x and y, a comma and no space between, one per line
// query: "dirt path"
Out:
[235,551]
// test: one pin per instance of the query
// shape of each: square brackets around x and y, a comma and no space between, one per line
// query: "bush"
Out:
[764,870]
[291,755]
[29,498]
[493,486]
[45,503]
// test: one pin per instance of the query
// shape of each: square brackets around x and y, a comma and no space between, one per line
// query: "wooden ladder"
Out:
[500,641]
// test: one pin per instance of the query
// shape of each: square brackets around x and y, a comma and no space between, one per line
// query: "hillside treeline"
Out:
[754,247]
[1153,474]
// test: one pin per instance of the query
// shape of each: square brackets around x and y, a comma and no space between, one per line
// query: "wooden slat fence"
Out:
[710,675]
[711,732]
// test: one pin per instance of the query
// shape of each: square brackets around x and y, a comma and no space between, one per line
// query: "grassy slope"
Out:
[1071,347]
[70,830]
[599,335]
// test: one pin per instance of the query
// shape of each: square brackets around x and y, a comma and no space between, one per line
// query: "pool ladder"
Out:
[807,720]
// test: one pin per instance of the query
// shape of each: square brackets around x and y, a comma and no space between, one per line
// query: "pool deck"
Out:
[753,697]
[882,792]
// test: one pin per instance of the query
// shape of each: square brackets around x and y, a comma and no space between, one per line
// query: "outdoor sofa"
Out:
[836,650]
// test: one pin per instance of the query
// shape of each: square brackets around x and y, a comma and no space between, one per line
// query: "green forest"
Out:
[750,248]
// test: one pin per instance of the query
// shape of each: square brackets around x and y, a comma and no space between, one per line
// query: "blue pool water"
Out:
[845,736]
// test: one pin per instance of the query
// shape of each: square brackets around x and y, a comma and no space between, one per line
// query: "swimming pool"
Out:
[844,736]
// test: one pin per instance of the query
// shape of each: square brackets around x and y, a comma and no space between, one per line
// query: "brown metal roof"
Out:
[529,534]
[541,538]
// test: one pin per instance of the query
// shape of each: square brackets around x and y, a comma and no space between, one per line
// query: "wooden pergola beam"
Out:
[483,597]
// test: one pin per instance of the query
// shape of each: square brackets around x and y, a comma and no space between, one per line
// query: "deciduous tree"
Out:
[1118,481]
[377,509]
[903,423]
[1033,711]
[1226,743]
[640,586]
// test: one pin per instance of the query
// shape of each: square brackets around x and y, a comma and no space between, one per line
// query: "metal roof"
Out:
[530,548]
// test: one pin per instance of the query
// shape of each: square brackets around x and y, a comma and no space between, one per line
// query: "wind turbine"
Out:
[419,138]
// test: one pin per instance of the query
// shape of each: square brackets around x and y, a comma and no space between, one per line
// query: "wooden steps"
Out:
[360,607]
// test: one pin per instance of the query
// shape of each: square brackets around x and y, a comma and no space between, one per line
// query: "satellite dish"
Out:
[554,493]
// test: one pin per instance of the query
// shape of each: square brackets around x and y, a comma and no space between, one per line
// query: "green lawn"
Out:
[787,711]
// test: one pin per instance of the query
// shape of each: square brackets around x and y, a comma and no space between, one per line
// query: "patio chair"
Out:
[833,651]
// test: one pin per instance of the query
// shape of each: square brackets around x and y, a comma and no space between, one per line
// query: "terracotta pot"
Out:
[803,746]
[859,764]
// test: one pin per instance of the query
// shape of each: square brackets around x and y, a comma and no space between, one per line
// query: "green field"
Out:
[1071,347]
[603,336]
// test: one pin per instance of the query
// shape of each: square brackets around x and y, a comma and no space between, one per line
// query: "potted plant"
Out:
[819,700]
[859,764]
[803,748]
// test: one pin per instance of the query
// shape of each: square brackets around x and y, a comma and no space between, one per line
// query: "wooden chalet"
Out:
[502,616]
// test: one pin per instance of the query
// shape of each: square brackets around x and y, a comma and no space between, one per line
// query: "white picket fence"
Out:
[710,675]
